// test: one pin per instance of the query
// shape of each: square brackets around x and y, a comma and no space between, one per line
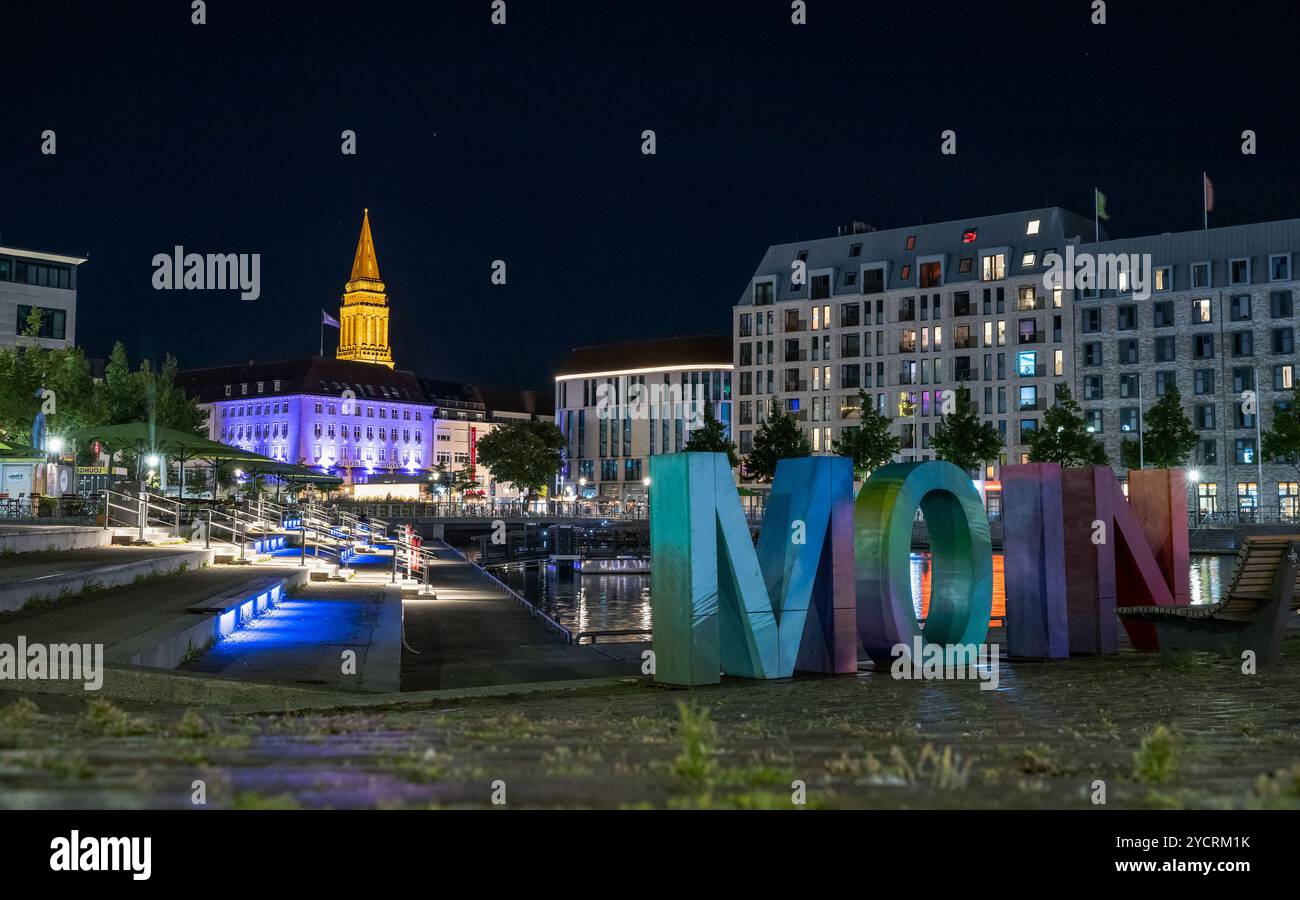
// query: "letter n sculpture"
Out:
[723,607]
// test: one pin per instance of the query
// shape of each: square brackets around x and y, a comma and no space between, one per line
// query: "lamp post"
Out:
[1193,478]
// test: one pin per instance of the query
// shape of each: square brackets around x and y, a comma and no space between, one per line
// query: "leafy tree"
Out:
[962,439]
[780,437]
[711,437]
[1064,438]
[26,369]
[1282,440]
[1167,436]
[525,454]
[871,445]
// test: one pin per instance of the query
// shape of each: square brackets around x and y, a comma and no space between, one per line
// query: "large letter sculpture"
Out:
[1033,543]
[1098,520]
[719,606]
[961,556]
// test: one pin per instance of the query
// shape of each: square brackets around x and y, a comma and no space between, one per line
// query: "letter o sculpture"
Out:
[961,592]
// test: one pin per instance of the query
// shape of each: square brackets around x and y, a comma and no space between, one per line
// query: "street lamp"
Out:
[54,444]
[1193,477]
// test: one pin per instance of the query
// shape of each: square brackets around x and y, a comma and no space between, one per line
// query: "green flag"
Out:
[1101,205]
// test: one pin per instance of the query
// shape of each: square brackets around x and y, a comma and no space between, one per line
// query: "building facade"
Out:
[33,279]
[620,404]
[357,415]
[907,314]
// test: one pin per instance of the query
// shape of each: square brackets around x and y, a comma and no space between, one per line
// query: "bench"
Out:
[1252,613]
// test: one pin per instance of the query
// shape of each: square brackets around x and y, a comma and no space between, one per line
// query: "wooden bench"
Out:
[1252,613]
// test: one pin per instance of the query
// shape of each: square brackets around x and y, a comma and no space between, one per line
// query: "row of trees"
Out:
[124,395]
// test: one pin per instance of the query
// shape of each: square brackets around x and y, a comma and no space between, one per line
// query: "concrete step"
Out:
[54,576]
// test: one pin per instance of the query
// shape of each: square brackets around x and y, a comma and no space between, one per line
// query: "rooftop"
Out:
[701,351]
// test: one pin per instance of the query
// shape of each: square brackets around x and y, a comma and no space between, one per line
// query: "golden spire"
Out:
[363,316]
[365,265]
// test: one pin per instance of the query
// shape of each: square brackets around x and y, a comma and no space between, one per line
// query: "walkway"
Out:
[476,634]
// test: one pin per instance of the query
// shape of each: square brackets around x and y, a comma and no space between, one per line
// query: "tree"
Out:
[1282,440]
[870,445]
[525,454]
[711,437]
[780,437]
[962,439]
[1064,438]
[1167,438]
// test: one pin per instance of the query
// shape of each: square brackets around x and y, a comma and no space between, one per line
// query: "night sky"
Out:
[523,143]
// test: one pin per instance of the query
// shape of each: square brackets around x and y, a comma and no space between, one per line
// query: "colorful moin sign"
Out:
[1074,544]
[798,601]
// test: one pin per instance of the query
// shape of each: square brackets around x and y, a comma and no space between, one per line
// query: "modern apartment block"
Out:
[1220,322]
[620,404]
[908,313]
[46,281]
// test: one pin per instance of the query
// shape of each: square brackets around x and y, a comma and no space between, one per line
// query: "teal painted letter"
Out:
[720,606]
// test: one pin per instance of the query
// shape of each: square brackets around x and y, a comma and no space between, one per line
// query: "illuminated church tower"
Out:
[363,317]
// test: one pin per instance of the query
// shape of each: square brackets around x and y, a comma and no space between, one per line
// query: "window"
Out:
[1164,382]
[1027,364]
[1092,353]
[964,265]
[1279,267]
[1279,304]
[1090,319]
[1093,421]
[855,250]
[1028,259]
[1283,340]
[821,287]
[905,274]
[1284,377]
[1239,308]
[1239,271]
[1025,299]
[911,242]
[1203,417]
[1032,228]
[1164,279]
[764,293]
[1128,353]
[995,267]
[1247,496]
[1200,275]
[1163,313]
[1243,379]
[1288,498]
[1029,397]
[1207,452]
[1203,346]
[873,280]
[850,314]
[1092,387]
[1243,343]
[1128,419]
[1203,381]
[1126,317]
[53,322]
[931,274]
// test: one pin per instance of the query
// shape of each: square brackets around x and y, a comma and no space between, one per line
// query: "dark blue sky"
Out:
[522,143]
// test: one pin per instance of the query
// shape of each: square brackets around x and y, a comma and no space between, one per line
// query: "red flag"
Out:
[1209,193]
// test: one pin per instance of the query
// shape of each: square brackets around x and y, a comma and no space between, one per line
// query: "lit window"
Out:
[968,236]
[1027,261]
[1033,227]
[911,242]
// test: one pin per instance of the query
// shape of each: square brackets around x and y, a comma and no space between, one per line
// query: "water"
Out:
[622,602]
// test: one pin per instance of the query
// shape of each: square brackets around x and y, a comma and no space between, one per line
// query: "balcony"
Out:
[1032,405]
[796,356]
[965,343]
[907,346]
[1035,337]
[1039,370]
[793,325]
[1025,304]
[960,375]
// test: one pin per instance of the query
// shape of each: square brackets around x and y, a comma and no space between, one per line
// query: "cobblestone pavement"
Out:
[1190,732]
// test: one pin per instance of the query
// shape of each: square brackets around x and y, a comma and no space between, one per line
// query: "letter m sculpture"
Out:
[722,607]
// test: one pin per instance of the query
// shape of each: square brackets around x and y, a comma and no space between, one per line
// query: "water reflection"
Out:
[621,602]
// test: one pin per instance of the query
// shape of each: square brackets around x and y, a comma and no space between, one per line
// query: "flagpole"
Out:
[1205,212]
[322,335]
[1096,222]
